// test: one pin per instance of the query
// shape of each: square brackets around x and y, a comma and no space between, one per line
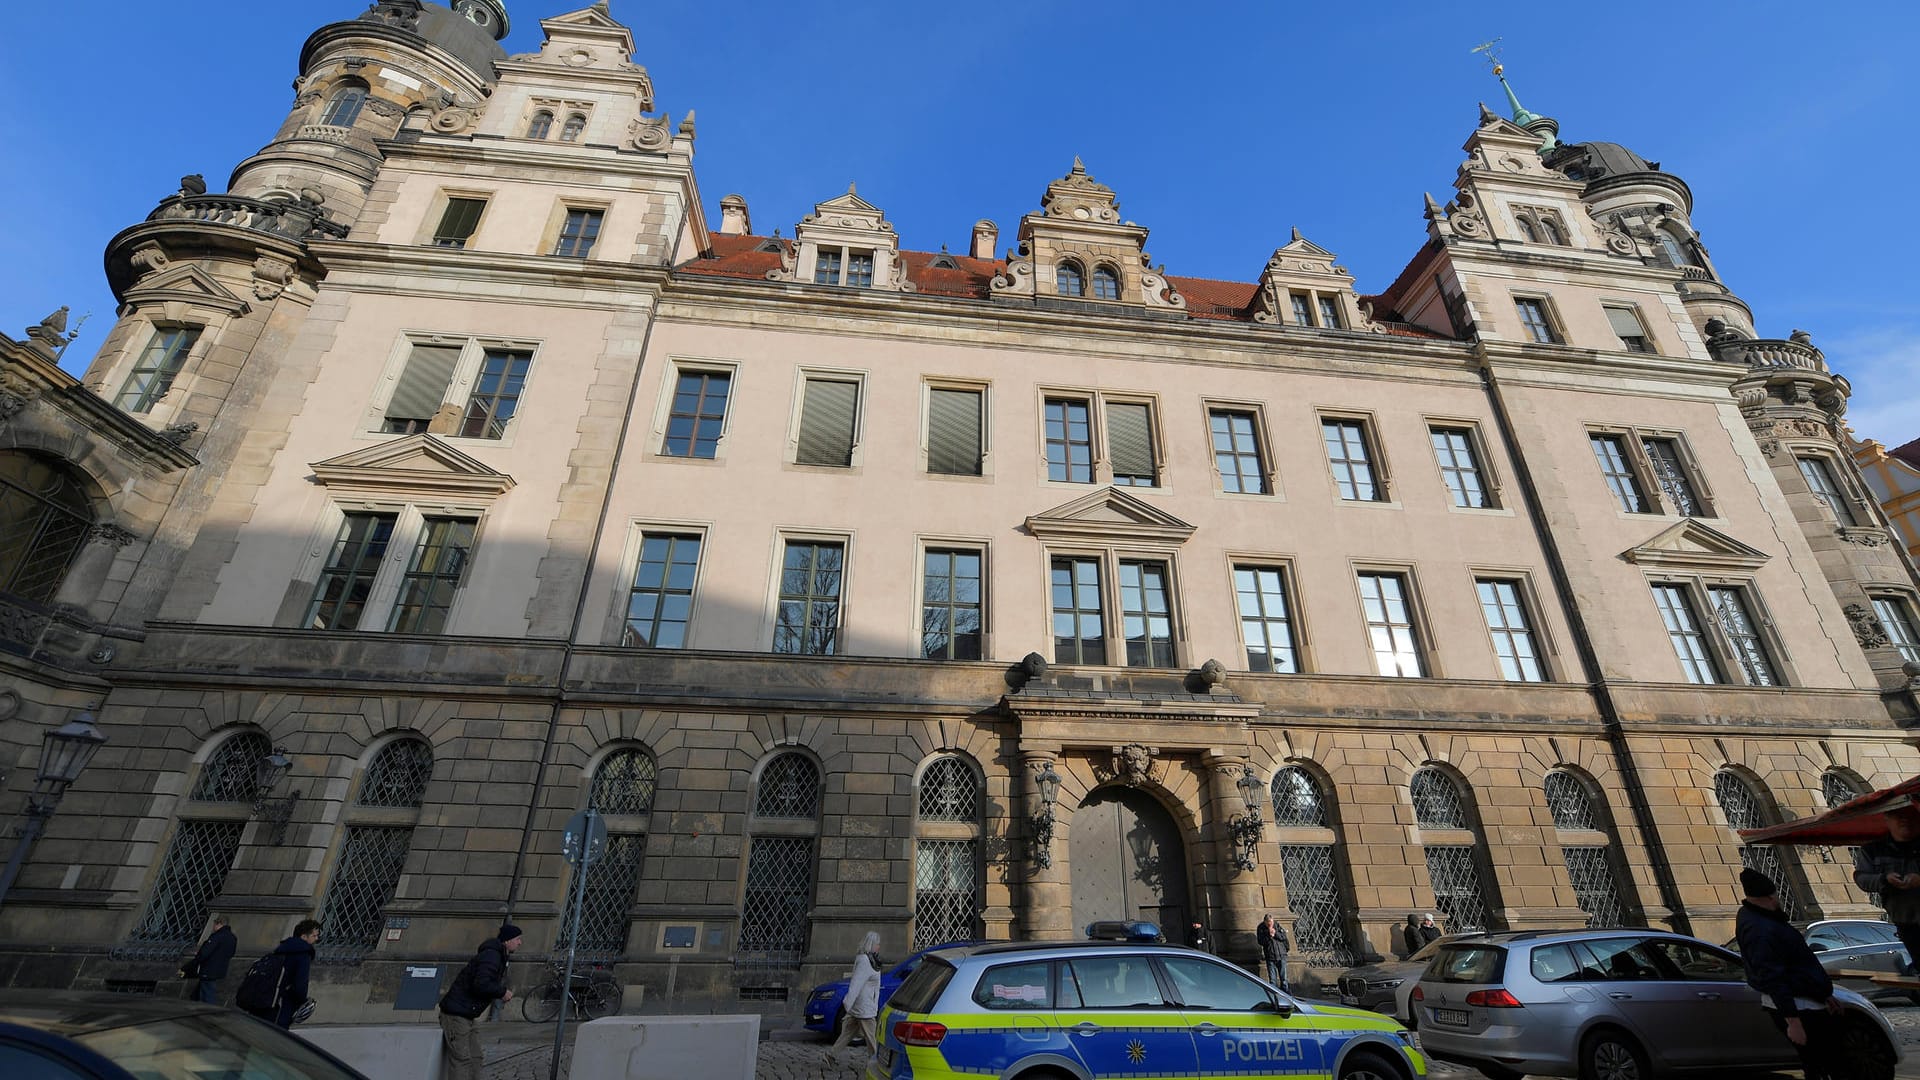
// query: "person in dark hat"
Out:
[1889,870]
[482,982]
[1794,989]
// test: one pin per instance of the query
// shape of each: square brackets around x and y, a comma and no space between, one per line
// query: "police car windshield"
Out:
[923,987]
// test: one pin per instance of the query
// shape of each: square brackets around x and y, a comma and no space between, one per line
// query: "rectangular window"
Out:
[954,421]
[457,222]
[1820,481]
[1513,640]
[1396,647]
[698,413]
[341,596]
[1670,472]
[1146,620]
[1896,616]
[1130,444]
[578,233]
[829,409]
[496,393]
[826,267]
[1533,316]
[661,603]
[1266,621]
[1683,629]
[1626,326]
[1236,451]
[1611,452]
[422,388]
[1352,460]
[153,373]
[1329,312]
[1069,440]
[1741,636]
[1459,467]
[809,615]
[427,590]
[1079,623]
[950,605]
[860,269]
[1302,309]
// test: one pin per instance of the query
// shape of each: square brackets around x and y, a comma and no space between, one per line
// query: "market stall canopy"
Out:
[1856,821]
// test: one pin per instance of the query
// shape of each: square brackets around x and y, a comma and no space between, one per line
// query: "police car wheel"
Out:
[1365,1066]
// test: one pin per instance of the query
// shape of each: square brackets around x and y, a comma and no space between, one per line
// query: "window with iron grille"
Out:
[1266,623]
[605,907]
[661,603]
[1351,454]
[1595,888]
[340,597]
[1069,431]
[1457,890]
[45,517]
[1820,481]
[398,774]
[1460,467]
[1396,646]
[829,417]
[809,613]
[153,373]
[1837,787]
[698,414]
[1611,452]
[1742,638]
[950,791]
[625,782]
[1670,472]
[1146,618]
[1068,281]
[1513,642]
[1079,623]
[1683,629]
[194,871]
[1570,802]
[789,788]
[371,861]
[458,221]
[779,892]
[1130,444]
[1106,284]
[1437,803]
[230,774]
[1895,616]
[950,605]
[433,576]
[946,887]
[1297,800]
[578,233]
[1743,809]
[1320,934]
[496,394]
[1236,452]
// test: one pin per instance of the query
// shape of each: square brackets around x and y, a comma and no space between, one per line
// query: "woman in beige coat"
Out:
[863,998]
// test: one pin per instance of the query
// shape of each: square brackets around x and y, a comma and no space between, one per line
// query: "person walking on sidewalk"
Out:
[209,965]
[863,999]
[1794,989]
[1890,868]
[279,988]
[482,982]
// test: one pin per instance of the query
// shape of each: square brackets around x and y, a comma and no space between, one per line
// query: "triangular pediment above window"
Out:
[1106,515]
[1690,545]
[412,466]
[187,285]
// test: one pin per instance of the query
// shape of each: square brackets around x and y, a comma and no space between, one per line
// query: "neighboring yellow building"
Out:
[453,452]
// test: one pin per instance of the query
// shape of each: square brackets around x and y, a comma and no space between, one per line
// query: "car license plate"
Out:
[1450,1017]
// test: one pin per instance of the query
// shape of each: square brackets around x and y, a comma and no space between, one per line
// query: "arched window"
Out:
[624,783]
[1436,801]
[541,125]
[1672,251]
[1526,228]
[570,131]
[1745,809]
[1586,843]
[946,856]
[1838,786]
[1453,862]
[45,516]
[1550,232]
[398,775]
[343,108]
[1106,283]
[200,854]
[374,853]
[789,788]
[1296,799]
[775,907]
[1310,865]
[1068,280]
[623,789]
[231,772]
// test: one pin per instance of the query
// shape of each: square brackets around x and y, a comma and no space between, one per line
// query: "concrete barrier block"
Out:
[383,1051]
[667,1048]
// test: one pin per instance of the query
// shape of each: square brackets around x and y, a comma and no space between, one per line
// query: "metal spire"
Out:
[1531,121]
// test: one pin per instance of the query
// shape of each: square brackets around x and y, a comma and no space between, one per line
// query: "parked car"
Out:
[54,1035]
[1620,1004]
[1857,945]
[1386,986]
[826,1005]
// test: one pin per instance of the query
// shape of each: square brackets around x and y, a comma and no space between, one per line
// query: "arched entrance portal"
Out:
[1128,862]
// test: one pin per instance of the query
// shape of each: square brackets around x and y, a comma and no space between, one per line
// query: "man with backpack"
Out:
[276,985]
[482,982]
[209,965]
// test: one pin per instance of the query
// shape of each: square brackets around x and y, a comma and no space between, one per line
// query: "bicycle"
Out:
[593,993]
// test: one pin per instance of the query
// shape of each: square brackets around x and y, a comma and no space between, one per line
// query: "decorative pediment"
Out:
[1079,229]
[593,47]
[1690,545]
[1108,515]
[1302,266]
[846,229]
[184,283]
[412,466]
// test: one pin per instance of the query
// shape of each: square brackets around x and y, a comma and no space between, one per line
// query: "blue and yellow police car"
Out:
[1091,1010]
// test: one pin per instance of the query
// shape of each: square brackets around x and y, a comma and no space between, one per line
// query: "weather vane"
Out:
[1493,55]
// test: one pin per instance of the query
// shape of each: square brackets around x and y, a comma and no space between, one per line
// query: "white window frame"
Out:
[663,408]
[846,252]
[1370,435]
[1646,334]
[1424,640]
[1660,504]
[1844,488]
[856,454]
[1491,482]
[1556,328]
[1289,568]
[1907,606]
[1546,655]
[466,371]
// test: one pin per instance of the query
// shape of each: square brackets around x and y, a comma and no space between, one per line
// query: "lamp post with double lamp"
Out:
[1247,828]
[1048,783]
[64,754]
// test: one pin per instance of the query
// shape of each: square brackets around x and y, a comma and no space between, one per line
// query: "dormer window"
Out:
[1302,309]
[1540,225]
[1106,283]
[541,125]
[570,131]
[343,108]
[1551,232]
[1671,249]
[1068,280]
[843,266]
[1526,228]
[1329,312]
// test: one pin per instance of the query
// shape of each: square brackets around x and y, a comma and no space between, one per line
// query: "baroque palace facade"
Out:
[454,472]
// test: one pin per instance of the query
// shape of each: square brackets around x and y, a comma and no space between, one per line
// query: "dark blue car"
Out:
[826,1006]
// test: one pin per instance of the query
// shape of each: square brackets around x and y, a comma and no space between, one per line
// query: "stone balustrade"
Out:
[296,220]
[1764,353]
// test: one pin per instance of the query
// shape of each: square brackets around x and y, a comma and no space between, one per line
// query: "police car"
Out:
[1090,1010]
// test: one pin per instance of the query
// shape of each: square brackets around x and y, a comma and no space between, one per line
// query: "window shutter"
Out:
[460,219]
[826,422]
[953,432]
[1625,323]
[423,383]
[1129,440]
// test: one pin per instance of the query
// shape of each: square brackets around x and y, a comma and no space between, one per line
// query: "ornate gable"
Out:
[184,283]
[413,466]
[848,230]
[1107,515]
[1692,546]
[1302,268]
[1079,228]
[1504,182]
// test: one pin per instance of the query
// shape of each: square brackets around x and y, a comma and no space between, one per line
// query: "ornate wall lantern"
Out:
[1041,822]
[65,753]
[267,774]
[1246,829]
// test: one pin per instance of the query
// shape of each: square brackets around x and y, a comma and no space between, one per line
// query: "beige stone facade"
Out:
[511,489]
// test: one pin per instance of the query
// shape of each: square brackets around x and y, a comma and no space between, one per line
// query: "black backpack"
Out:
[260,987]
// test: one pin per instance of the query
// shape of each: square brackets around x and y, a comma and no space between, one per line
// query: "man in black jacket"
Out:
[482,982]
[1890,869]
[296,964]
[1794,988]
[209,965]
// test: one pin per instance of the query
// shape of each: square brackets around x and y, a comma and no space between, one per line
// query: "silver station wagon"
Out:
[1614,1005]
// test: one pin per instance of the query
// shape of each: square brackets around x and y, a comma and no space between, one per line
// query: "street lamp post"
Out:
[64,754]
[1246,828]
[1048,783]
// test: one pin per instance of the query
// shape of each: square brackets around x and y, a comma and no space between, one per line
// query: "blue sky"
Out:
[1220,126]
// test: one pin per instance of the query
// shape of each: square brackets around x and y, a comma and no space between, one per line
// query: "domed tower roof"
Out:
[471,29]
[1603,165]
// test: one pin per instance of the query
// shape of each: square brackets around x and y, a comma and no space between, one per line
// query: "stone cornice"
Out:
[569,161]
[470,274]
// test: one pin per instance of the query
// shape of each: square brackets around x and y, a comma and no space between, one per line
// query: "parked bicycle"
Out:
[592,994]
